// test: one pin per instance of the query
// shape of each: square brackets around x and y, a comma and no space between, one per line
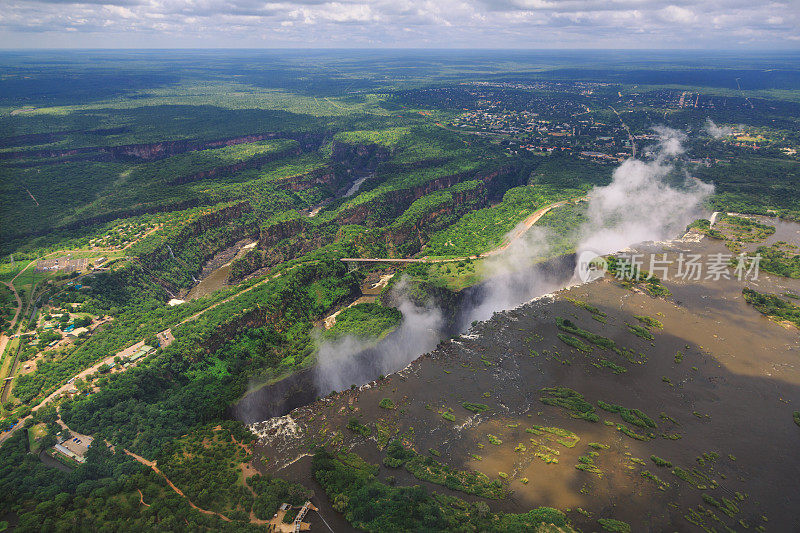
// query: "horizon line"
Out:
[410,49]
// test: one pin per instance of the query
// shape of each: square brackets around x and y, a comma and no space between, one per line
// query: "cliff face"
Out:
[218,218]
[228,169]
[288,239]
[266,253]
[200,240]
[408,239]
[328,177]
[502,179]
[393,203]
[273,234]
[280,243]
[158,150]
[359,157]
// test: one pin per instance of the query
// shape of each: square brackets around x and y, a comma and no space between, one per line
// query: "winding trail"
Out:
[152,465]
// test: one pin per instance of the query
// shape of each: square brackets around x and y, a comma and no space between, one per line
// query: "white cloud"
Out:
[443,23]
[678,14]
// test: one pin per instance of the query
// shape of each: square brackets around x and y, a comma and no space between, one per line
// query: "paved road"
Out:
[627,129]
[515,234]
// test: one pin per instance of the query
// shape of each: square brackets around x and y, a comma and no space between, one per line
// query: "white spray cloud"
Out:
[642,202]
[513,277]
[351,360]
[716,131]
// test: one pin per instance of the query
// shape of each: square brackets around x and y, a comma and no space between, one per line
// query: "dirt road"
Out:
[166,337]
[515,234]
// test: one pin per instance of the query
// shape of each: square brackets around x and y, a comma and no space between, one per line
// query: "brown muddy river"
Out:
[719,379]
[215,277]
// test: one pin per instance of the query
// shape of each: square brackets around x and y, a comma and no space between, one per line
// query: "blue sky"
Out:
[537,24]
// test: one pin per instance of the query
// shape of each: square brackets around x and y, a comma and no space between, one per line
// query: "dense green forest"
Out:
[161,172]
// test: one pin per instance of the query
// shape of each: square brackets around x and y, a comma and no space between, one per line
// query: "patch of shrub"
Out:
[660,462]
[639,331]
[475,407]
[386,403]
[571,400]
[356,426]
[632,416]
[575,343]
[494,440]
[614,526]
[649,322]
[598,340]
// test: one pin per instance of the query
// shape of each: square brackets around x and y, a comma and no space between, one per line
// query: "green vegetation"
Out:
[695,478]
[649,322]
[355,425]
[168,168]
[597,340]
[660,483]
[564,437]
[773,306]
[475,407]
[615,368]
[630,275]
[428,469]
[781,258]
[660,462]
[575,343]
[625,430]
[632,416]
[206,465]
[570,400]
[583,305]
[639,331]
[727,506]
[386,403]
[484,229]
[368,504]
[389,137]
[796,417]
[546,453]
[586,464]
[365,321]
[494,440]
[737,230]
[79,499]
[615,526]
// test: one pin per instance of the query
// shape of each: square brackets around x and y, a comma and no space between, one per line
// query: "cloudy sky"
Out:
[401,24]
